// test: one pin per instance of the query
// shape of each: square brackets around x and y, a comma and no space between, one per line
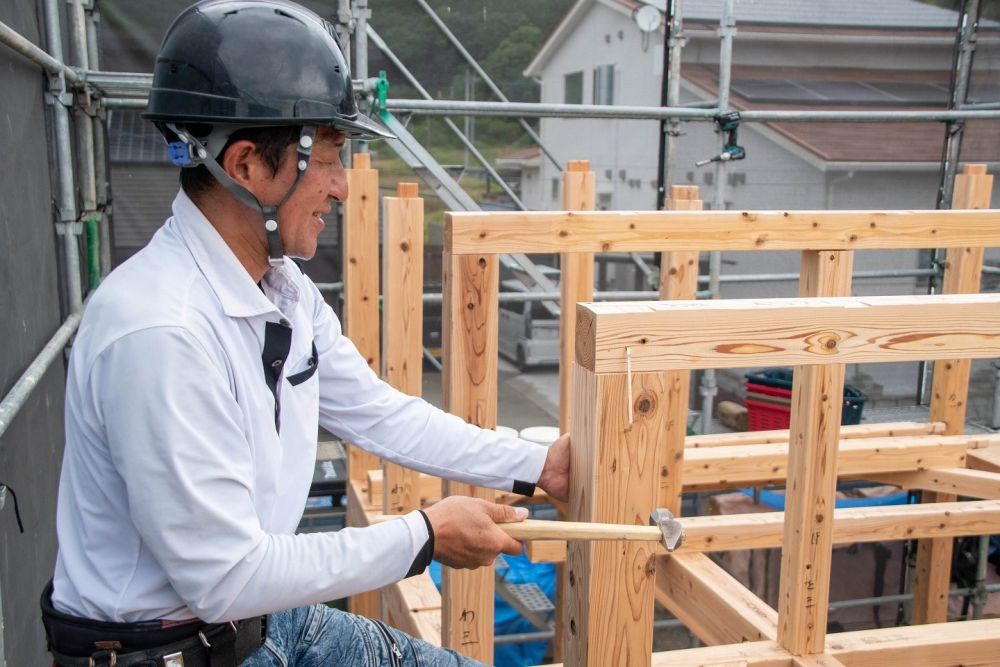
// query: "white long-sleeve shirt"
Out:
[182,484]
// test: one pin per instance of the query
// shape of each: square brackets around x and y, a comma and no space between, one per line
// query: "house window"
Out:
[604,84]
[574,88]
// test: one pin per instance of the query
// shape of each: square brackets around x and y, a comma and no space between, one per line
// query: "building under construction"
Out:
[842,224]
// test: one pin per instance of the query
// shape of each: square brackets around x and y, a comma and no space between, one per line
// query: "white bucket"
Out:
[543,435]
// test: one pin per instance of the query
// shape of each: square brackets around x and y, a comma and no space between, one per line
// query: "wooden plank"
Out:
[414,606]
[576,283]
[737,333]
[369,603]
[470,312]
[884,430]
[952,481]
[949,396]
[987,458]
[862,524]
[361,282]
[762,465]
[614,480]
[710,602]
[546,551]
[817,660]
[638,231]
[814,435]
[678,281]
[968,643]
[734,532]
[428,488]
[402,323]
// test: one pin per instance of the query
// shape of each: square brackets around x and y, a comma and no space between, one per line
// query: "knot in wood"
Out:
[823,342]
[404,246]
[645,403]
[482,262]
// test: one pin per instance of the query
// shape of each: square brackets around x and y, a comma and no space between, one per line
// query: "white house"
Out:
[787,54]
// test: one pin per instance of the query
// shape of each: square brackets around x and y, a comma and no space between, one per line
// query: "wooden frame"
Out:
[798,638]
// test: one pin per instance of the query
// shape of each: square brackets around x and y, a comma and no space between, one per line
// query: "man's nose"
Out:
[338,184]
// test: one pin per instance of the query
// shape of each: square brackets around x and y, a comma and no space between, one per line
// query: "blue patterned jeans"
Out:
[318,635]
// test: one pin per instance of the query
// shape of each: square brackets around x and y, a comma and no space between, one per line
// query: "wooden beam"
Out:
[614,480]
[987,458]
[952,481]
[862,524]
[814,433]
[678,281]
[710,602]
[361,318]
[414,606]
[428,488]
[402,323]
[883,430]
[576,280]
[736,333]
[546,551]
[638,231]
[949,396]
[733,532]
[941,645]
[762,465]
[816,660]
[470,312]
[576,283]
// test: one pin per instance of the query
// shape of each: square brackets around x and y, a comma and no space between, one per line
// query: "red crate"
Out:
[767,416]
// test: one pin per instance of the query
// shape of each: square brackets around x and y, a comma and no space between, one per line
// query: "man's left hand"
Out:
[555,474]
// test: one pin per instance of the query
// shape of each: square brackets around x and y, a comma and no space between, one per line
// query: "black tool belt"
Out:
[81,642]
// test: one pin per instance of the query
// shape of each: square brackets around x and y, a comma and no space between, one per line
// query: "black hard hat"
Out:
[254,62]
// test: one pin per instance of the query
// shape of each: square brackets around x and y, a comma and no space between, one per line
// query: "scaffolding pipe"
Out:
[25,385]
[361,14]
[384,48]
[69,227]
[548,110]
[709,388]
[19,43]
[100,153]
[486,79]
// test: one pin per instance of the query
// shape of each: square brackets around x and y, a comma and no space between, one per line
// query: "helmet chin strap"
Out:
[198,154]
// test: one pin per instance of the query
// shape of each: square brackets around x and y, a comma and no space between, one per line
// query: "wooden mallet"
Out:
[663,527]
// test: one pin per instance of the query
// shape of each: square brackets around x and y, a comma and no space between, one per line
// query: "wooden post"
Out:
[949,394]
[807,550]
[576,283]
[470,312]
[361,321]
[613,480]
[361,288]
[402,318]
[678,280]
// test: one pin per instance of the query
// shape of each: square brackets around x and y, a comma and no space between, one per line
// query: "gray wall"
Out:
[31,449]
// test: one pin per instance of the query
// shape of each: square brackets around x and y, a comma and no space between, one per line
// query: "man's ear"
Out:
[242,162]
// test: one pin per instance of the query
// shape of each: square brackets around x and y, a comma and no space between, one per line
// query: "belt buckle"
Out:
[174,660]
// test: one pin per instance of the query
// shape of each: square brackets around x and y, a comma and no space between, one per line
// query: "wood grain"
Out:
[738,333]
[681,231]
[470,312]
[613,480]
[949,397]
[402,324]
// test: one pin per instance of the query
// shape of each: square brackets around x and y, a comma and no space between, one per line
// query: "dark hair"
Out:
[271,144]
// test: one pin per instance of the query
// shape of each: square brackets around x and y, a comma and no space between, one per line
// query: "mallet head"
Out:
[673,532]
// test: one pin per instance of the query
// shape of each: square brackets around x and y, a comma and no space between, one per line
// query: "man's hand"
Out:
[466,533]
[555,474]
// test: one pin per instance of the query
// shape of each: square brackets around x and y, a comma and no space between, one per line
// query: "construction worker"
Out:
[203,367]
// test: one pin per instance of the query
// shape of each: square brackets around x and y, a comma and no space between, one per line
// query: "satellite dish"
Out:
[647,17]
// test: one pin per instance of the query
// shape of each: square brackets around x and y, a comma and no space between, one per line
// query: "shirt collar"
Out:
[228,278]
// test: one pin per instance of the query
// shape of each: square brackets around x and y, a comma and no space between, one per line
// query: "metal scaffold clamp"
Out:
[728,122]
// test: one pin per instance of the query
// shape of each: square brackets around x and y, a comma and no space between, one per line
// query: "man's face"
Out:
[299,218]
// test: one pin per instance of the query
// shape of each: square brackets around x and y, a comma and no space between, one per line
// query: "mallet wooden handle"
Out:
[533,529]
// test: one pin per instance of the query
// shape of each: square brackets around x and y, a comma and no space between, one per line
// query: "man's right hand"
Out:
[466,534]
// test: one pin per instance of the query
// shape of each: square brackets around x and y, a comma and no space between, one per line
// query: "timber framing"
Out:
[617,444]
